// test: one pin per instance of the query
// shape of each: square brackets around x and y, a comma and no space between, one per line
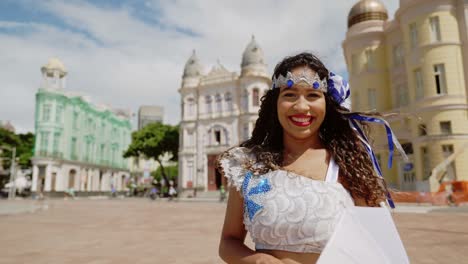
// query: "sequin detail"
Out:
[262,187]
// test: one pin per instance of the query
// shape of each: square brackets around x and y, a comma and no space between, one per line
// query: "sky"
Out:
[132,53]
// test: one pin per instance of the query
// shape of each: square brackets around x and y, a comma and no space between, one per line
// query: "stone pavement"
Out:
[20,206]
[144,231]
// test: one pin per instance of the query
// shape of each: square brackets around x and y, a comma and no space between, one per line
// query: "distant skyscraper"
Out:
[149,114]
[78,144]
[415,66]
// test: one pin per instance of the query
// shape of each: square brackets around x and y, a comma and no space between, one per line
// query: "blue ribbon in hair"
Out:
[367,146]
[387,129]
[339,90]
[392,142]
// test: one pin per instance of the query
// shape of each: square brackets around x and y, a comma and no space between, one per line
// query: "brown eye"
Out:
[313,95]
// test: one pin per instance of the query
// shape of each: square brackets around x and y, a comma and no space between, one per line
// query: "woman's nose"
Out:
[301,104]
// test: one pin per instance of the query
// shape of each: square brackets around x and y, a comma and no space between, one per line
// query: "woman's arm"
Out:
[231,247]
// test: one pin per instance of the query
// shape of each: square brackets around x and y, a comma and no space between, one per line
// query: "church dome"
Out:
[54,64]
[366,10]
[253,54]
[193,68]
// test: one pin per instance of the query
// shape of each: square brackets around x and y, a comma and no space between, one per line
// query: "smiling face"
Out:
[301,109]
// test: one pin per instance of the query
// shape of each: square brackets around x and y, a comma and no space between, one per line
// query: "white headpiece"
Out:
[306,76]
[336,86]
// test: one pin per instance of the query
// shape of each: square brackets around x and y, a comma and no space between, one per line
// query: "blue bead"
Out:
[290,83]
[332,74]
[316,85]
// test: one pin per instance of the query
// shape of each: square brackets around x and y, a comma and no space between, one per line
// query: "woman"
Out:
[307,160]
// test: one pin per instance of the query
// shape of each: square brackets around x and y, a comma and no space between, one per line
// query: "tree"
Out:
[25,149]
[155,140]
[24,144]
[171,171]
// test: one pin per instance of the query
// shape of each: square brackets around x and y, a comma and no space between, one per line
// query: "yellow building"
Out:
[413,68]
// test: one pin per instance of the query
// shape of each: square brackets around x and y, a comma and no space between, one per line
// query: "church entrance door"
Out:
[215,179]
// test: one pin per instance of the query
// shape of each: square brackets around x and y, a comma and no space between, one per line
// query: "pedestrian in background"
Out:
[222,193]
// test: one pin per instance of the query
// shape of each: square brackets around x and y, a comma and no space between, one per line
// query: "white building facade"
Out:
[219,110]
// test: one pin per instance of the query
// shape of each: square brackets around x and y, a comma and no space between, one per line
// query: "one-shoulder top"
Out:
[284,210]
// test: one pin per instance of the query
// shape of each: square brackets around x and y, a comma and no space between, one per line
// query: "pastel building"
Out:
[414,69]
[78,144]
[219,110]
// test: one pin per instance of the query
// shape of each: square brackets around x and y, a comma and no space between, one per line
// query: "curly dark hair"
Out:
[356,170]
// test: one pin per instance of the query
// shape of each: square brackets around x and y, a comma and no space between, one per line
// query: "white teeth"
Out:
[302,120]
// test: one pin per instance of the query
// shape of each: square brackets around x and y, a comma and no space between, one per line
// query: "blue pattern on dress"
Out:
[262,187]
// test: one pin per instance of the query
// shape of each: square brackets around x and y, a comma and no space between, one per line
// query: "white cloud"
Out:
[120,60]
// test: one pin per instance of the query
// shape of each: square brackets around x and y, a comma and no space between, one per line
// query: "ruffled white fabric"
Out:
[233,166]
[296,214]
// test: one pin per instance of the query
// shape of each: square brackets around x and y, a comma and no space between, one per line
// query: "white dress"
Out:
[284,210]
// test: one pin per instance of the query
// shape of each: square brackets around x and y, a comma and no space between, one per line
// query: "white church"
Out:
[219,110]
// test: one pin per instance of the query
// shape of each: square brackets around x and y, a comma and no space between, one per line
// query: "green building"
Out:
[78,145]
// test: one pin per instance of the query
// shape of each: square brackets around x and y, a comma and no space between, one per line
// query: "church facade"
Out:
[219,110]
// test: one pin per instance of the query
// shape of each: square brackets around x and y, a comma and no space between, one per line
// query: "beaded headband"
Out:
[306,76]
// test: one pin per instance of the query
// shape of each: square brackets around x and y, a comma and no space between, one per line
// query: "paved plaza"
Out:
[144,231]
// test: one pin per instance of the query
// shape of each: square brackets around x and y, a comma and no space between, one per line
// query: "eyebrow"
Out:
[295,89]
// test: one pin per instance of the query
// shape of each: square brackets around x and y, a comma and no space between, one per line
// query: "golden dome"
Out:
[367,10]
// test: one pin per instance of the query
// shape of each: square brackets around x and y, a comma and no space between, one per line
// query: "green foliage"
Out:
[8,138]
[24,144]
[26,149]
[154,141]
[171,171]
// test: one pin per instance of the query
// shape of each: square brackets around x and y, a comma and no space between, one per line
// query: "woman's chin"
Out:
[302,135]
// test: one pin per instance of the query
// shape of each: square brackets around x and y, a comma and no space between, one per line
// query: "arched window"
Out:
[255,97]
[245,131]
[217,135]
[228,99]
[208,104]
[245,100]
[190,107]
[219,102]
[190,138]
